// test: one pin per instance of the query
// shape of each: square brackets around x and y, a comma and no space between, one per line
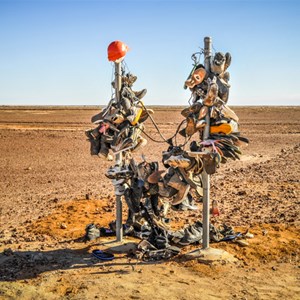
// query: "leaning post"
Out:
[118,161]
[205,176]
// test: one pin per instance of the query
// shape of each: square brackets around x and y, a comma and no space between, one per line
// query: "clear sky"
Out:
[55,52]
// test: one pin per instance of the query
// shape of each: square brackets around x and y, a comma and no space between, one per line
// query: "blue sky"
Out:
[55,52]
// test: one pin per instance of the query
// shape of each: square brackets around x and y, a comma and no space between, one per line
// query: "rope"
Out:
[154,123]
[158,130]
[151,138]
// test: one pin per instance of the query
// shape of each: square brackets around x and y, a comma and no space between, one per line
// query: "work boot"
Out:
[166,191]
[103,149]
[176,182]
[93,136]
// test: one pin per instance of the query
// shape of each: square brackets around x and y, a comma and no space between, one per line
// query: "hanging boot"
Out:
[212,93]
[140,94]
[94,136]
[182,187]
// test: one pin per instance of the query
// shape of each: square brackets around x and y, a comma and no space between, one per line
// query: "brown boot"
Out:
[190,126]
[181,195]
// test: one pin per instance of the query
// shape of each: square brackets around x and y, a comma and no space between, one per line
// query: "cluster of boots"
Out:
[120,123]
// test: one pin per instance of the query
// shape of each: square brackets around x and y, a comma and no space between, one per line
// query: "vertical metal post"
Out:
[119,227]
[205,176]
[207,52]
[206,191]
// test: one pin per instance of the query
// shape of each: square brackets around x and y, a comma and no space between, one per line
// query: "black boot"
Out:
[93,136]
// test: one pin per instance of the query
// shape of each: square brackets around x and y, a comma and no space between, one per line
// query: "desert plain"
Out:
[51,188]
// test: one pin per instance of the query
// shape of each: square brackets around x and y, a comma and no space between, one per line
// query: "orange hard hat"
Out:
[116,50]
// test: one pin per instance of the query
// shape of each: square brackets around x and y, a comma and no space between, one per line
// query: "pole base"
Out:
[211,255]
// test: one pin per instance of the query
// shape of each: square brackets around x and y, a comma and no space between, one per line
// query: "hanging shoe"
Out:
[181,195]
[200,124]
[190,125]
[140,94]
[93,136]
[225,128]
[166,191]
[141,142]
[178,161]
[104,150]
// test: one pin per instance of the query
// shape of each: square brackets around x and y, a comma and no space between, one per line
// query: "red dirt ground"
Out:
[48,178]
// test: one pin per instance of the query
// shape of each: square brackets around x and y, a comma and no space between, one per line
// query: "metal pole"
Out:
[207,52]
[205,176]
[206,191]
[119,227]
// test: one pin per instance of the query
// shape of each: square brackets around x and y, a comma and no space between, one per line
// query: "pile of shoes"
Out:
[190,235]
[120,123]
[193,234]
[151,253]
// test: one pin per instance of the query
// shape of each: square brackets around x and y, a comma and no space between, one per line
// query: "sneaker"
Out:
[95,146]
[91,232]
[176,236]
[129,78]
[211,162]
